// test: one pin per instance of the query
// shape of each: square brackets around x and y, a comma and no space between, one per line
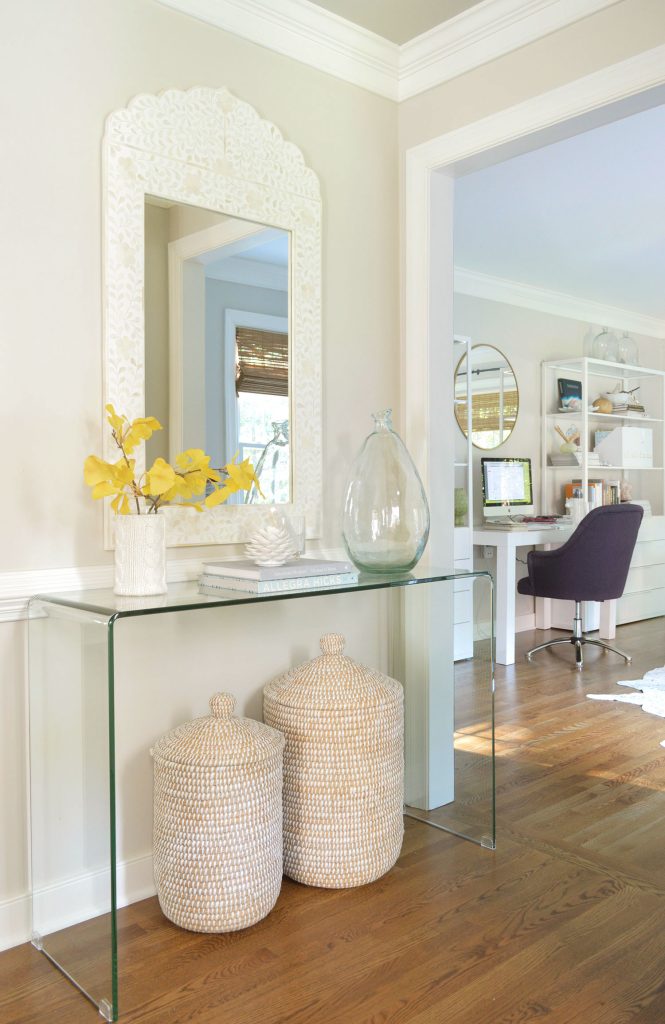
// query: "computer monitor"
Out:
[507,487]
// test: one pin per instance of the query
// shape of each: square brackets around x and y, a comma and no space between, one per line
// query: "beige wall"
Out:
[68,65]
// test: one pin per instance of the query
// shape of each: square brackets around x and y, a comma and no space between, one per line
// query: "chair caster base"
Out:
[578,643]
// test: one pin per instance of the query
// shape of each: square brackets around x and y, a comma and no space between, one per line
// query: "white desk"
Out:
[506,543]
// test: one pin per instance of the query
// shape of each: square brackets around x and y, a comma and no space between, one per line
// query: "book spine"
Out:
[281,586]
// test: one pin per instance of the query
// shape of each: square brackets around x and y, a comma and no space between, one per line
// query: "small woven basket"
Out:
[343,768]
[218,820]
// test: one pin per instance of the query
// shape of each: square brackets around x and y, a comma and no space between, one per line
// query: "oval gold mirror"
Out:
[492,388]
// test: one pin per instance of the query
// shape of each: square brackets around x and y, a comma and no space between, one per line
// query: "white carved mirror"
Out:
[212,255]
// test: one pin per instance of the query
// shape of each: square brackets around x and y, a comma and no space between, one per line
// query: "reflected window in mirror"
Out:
[217,340]
[494,397]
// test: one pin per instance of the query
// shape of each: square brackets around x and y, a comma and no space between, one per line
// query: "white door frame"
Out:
[427,355]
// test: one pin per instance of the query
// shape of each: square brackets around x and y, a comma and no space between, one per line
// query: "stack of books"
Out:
[594,491]
[300,574]
[563,459]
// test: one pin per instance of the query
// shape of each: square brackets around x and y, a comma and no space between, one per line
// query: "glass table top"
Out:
[191,595]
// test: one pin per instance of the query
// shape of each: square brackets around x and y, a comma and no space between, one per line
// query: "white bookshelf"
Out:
[644,595]
[598,376]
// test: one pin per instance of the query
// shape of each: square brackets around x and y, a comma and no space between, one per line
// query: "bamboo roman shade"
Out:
[485,411]
[262,362]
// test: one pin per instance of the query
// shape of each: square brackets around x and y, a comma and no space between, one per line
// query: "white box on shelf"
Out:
[630,447]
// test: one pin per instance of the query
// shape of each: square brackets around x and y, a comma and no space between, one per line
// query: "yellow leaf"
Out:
[159,478]
[95,470]
[103,489]
[242,476]
[140,430]
[195,461]
[219,495]
[113,418]
[123,473]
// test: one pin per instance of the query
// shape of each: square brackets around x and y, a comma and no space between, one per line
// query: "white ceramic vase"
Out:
[140,555]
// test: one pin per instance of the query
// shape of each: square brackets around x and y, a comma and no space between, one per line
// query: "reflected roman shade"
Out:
[486,410]
[262,362]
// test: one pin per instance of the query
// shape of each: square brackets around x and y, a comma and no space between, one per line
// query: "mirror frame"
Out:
[206,148]
[483,344]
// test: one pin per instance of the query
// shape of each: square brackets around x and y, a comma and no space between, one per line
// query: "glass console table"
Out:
[73,641]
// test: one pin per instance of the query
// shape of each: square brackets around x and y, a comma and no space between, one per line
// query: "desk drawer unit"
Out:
[644,593]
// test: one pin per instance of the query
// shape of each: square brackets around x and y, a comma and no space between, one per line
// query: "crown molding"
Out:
[312,35]
[307,33]
[485,32]
[545,300]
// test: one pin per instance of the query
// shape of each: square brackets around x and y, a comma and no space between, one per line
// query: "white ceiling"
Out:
[397,20]
[585,216]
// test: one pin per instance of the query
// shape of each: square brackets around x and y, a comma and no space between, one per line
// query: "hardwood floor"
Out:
[564,922]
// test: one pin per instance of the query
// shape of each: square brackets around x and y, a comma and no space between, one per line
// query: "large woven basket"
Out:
[218,820]
[343,768]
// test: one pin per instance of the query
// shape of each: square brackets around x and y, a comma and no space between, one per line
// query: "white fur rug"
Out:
[651,698]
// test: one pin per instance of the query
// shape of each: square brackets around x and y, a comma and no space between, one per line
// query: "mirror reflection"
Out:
[494,396]
[217,340]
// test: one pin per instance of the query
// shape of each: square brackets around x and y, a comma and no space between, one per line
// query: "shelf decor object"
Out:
[343,768]
[605,346]
[140,555]
[140,534]
[386,515]
[218,820]
[273,542]
[627,351]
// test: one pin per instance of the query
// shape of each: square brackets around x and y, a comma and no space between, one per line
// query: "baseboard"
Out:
[75,899]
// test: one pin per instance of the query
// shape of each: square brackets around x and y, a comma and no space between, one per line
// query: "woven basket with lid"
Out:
[343,768]
[218,820]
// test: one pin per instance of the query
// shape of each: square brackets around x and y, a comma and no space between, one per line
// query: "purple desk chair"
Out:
[591,566]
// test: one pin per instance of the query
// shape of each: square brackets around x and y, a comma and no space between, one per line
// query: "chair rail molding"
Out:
[315,36]
[16,588]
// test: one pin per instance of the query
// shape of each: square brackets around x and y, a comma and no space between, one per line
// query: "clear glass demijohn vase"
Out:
[386,516]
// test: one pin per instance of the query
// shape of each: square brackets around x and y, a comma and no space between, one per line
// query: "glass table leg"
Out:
[71,795]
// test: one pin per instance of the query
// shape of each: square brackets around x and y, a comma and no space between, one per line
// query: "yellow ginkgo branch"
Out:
[185,482]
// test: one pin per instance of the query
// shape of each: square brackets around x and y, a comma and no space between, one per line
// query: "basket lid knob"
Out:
[222,705]
[332,643]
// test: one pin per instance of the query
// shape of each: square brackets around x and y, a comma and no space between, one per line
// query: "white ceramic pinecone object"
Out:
[218,820]
[271,544]
[343,768]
